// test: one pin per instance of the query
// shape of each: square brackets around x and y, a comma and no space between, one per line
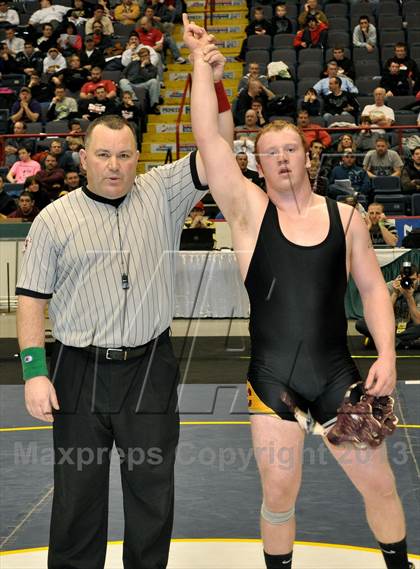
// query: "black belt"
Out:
[122,354]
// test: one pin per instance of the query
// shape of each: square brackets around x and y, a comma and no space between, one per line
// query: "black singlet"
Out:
[298,325]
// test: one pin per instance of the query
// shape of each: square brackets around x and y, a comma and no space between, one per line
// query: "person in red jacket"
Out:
[314,34]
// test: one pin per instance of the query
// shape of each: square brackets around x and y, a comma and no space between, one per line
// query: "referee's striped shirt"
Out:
[76,255]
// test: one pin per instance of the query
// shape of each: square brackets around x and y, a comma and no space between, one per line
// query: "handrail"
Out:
[179,117]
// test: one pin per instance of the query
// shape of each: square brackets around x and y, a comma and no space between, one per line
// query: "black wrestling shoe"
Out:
[411,565]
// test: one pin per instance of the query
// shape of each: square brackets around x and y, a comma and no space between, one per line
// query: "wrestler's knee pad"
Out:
[276,518]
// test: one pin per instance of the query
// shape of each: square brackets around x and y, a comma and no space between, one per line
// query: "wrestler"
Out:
[295,251]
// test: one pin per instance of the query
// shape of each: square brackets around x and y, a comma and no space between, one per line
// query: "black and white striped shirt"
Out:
[79,247]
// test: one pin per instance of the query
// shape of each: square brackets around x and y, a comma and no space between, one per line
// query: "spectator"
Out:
[142,72]
[71,181]
[14,44]
[364,34]
[100,40]
[242,160]
[47,39]
[365,139]
[70,41]
[314,34]
[26,210]
[258,26]
[41,90]
[382,232]
[151,36]
[257,106]
[346,142]
[316,172]
[91,56]
[349,171]
[312,131]
[130,112]
[345,65]
[162,15]
[310,103]
[98,105]
[7,61]
[382,161]
[410,175]
[7,15]
[7,203]
[254,72]
[88,89]
[250,128]
[48,13]
[99,16]
[39,196]
[73,77]
[127,12]
[280,24]
[22,168]
[393,81]
[61,107]
[379,107]
[245,98]
[339,102]
[51,177]
[197,218]
[407,65]
[311,8]
[29,60]
[25,109]
[134,46]
[12,144]
[80,12]
[322,87]
[54,62]
[75,133]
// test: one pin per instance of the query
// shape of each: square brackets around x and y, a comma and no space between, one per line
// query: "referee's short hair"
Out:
[114,122]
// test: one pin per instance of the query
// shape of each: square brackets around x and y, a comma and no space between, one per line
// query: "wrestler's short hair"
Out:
[114,122]
[278,126]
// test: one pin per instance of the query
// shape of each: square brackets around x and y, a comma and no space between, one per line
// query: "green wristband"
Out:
[34,362]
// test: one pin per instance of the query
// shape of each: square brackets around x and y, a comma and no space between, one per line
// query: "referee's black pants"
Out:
[134,404]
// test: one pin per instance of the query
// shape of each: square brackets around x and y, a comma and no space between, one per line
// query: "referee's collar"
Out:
[115,202]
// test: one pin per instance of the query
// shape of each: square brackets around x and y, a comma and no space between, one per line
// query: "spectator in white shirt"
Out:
[14,44]
[364,34]
[54,62]
[7,15]
[99,16]
[379,107]
[48,13]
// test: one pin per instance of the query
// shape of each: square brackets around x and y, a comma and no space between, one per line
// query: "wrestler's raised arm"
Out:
[211,128]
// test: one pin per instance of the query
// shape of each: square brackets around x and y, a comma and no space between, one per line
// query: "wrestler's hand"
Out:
[195,37]
[382,377]
[216,59]
[41,398]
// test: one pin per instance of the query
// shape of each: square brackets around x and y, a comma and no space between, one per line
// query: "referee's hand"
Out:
[41,398]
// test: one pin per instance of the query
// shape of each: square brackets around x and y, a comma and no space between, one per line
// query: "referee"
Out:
[102,258]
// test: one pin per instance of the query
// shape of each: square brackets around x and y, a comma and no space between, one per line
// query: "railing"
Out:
[179,117]
[209,8]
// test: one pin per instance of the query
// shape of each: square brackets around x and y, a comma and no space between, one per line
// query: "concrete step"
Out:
[223,44]
[220,6]
[144,166]
[161,147]
[220,36]
[179,84]
[233,71]
[227,51]
[231,17]
[174,96]
[165,128]
[161,156]
[221,29]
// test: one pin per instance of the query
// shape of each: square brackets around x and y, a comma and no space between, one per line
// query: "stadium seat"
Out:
[386,184]
[305,84]
[281,118]
[268,12]
[388,8]
[394,204]
[415,204]
[258,56]
[57,126]
[338,38]
[409,7]
[288,56]
[283,87]
[398,102]
[259,42]
[112,75]
[14,190]
[367,69]
[329,53]
[34,127]
[362,54]
[340,24]
[389,22]
[335,11]
[413,23]
[367,85]
[391,37]
[280,41]
[387,51]
[340,118]
[309,70]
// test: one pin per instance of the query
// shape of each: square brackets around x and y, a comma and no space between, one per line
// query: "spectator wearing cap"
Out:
[314,34]
[311,8]
[88,89]
[99,16]
[348,170]
[54,62]
[25,109]
[91,56]
[127,12]
[22,168]
[29,60]
[394,81]
[14,44]
[7,15]
[48,13]
[197,218]
[26,210]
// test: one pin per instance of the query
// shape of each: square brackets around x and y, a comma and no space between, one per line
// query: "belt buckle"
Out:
[124,354]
